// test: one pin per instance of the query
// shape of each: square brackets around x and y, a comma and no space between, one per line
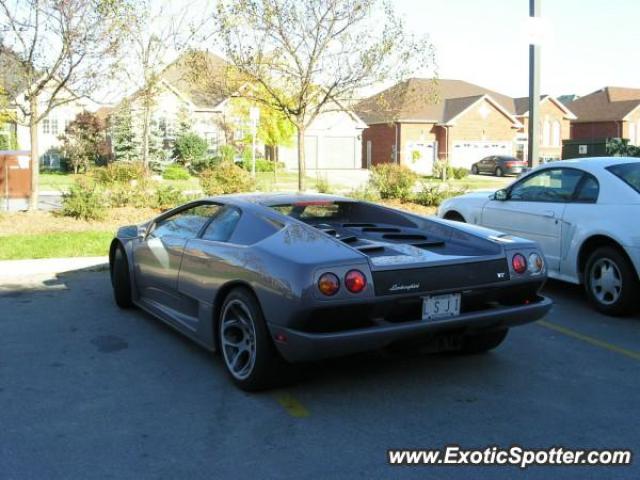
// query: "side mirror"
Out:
[142,230]
[501,195]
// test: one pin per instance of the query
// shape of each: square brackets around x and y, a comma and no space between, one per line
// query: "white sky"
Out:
[594,43]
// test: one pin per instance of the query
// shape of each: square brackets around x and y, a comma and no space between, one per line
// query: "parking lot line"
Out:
[590,340]
[292,405]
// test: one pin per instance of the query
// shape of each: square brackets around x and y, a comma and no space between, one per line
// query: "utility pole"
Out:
[533,134]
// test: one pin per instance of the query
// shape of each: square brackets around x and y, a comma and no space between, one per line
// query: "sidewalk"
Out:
[21,276]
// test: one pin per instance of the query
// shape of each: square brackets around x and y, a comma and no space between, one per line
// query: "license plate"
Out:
[441,306]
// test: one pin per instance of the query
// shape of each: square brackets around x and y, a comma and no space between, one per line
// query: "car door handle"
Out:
[549,213]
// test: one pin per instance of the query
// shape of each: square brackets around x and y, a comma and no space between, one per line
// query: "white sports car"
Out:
[585,214]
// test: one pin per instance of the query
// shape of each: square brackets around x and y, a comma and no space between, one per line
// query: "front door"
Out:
[534,209]
[158,256]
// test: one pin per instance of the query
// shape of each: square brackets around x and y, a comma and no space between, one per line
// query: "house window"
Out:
[632,133]
[167,127]
[46,127]
[546,133]
[54,126]
[213,140]
[556,134]
[238,134]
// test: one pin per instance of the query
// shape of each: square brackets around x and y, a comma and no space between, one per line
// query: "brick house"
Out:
[419,121]
[608,112]
[555,126]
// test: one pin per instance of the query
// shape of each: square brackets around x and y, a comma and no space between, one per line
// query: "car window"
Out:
[222,226]
[629,173]
[551,185]
[588,190]
[313,209]
[186,223]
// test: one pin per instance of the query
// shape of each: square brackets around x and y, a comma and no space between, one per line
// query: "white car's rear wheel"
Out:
[611,282]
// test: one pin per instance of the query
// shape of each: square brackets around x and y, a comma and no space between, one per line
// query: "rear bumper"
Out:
[304,346]
[513,170]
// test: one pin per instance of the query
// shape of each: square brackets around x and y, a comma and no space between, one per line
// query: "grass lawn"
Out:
[286,181]
[56,180]
[55,245]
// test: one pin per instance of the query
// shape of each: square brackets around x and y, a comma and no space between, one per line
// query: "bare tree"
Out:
[303,57]
[158,32]
[60,52]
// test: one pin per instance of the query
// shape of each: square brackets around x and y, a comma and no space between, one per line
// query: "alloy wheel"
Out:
[238,339]
[606,281]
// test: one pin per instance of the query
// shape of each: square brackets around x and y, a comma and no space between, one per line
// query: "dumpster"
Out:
[592,147]
[15,178]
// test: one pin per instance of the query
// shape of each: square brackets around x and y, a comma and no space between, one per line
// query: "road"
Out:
[89,391]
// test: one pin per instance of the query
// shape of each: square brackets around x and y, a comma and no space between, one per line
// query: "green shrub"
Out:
[262,165]
[459,172]
[119,172]
[452,172]
[226,153]
[226,178]
[322,185]
[84,201]
[393,181]
[365,193]
[203,164]
[433,194]
[175,172]
[167,197]
[190,147]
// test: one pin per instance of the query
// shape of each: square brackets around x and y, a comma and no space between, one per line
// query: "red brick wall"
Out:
[382,138]
[473,126]
[589,130]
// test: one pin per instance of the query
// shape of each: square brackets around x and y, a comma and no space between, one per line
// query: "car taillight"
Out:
[328,284]
[355,281]
[519,263]
[509,164]
[536,263]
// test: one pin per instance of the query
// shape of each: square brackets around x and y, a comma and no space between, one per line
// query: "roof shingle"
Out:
[606,104]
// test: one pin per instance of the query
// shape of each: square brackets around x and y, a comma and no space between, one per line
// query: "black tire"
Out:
[120,279]
[269,369]
[624,303]
[499,172]
[455,216]
[474,170]
[482,342]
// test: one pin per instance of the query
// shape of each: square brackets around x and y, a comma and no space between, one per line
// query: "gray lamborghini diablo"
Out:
[271,280]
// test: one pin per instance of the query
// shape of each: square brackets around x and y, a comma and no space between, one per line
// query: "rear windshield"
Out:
[320,209]
[629,173]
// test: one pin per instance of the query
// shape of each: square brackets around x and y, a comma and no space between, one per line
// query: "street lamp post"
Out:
[533,133]
[254,116]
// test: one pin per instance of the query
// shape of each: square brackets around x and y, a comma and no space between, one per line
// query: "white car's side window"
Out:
[550,185]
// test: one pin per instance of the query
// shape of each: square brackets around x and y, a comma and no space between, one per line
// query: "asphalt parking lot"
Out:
[89,391]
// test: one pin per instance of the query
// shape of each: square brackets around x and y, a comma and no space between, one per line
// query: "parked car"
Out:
[499,165]
[273,279]
[583,213]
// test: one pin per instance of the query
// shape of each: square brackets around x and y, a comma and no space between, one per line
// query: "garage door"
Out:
[338,152]
[466,154]
[419,157]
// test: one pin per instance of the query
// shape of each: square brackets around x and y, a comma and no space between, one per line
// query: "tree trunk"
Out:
[145,133]
[35,160]
[302,168]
